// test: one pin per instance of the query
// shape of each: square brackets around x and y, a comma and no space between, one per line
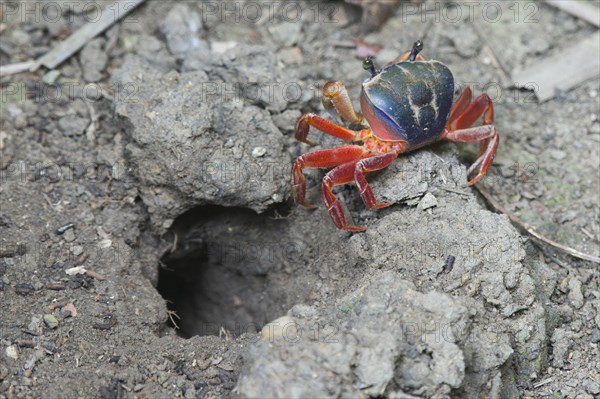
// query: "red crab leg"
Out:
[320,159]
[328,127]
[342,174]
[370,165]
[482,105]
[485,133]
[459,107]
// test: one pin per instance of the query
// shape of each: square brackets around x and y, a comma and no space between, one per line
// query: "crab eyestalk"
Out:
[369,65]
[417,48]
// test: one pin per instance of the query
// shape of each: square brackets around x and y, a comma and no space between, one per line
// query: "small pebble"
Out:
[286,121]
[50,347]
[73,125]
[51,76]
[575,295]
[563,285]
[221,47]
[20,37]
[50,320]
[569,24]
[428,201]
[539,45]
[567,216]
[35,324]
[291,55]
[528,195]
[77,250]
[591,387]
[283,327]
[21,121]
[285,33]
[69,235]
[583,395]
[69,310]
[595,335]
[12,352]
[258,152]
[558,154]
[93,59]
[163,378]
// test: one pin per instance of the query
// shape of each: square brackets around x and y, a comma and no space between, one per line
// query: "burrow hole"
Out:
[230,270]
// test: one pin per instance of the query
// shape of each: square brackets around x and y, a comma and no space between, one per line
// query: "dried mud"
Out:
[149,246]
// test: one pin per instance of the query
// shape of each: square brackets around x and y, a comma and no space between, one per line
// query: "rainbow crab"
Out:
[405,106]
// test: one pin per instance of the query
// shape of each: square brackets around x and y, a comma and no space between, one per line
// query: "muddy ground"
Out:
[149,246]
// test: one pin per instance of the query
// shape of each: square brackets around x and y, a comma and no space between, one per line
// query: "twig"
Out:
[112,13]
[95,275]
[455,191]
[587,233]
[171,314]
[174,246]
[19,67]
[278,216]
[543,382]
[532,230]
[226,334]
[496,62]
[550,257]
[490,52]
[90,132]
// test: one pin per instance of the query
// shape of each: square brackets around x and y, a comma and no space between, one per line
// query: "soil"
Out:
[149,246]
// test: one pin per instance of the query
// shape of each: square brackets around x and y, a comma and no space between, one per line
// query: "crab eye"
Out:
[418,45]
[369,65]
[417,48]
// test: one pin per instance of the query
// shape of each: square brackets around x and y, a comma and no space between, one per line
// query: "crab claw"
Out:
[302,127]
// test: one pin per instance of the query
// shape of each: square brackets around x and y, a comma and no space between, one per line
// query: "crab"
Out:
[405,105]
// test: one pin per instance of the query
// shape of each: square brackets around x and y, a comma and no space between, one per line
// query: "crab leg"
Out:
[326,126]
[365,166]
[320,159]
[336,98]
[482,105]
[485,134]
[342,174]
[459,107]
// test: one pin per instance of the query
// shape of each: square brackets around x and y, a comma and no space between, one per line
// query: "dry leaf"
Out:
[375,12]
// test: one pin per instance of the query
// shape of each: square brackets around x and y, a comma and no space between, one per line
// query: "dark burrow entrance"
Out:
[229,271]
